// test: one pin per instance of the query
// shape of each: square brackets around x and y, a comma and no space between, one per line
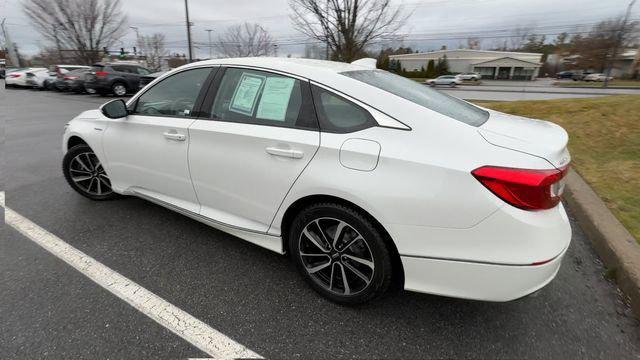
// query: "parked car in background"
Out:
[115,78]
[356,173]
[74,81]
[146,79]
[41,79]
[580,75]
[61,70]
[565,75]
[598,77]
[18,78]
[451,80]
[470,76]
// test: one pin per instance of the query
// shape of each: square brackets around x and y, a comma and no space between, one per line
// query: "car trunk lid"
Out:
[536,137]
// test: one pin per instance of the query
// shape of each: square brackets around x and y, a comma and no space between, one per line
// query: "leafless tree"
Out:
[153,48]
[519,37]
[598,49]
[474,43]
[347,26]
[245,40]
[86,26]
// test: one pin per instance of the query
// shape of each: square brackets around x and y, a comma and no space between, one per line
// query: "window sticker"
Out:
[275,98]
[246,93]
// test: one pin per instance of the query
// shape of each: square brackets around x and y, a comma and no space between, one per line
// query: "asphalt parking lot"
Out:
[50,310]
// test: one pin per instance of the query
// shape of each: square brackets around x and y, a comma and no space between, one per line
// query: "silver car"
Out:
[451,80]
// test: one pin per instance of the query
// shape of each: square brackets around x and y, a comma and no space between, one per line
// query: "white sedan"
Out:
[40,78]
[449,80]
[363,177]
[19,78]
[597,77]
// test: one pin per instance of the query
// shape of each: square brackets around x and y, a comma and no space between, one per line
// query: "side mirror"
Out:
[115,109]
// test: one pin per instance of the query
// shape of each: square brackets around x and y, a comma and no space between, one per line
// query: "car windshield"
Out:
[422,95]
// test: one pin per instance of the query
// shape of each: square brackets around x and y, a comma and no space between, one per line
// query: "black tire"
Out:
[452,84]
[371,247]
[97,186]
[115,89]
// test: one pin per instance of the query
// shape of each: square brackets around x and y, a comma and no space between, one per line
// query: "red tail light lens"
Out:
[524,188]
[101,73]
[15,75]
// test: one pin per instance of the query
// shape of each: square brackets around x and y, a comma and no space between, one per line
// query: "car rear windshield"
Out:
[422,95]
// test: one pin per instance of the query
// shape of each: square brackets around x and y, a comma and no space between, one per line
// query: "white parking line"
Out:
[199,334]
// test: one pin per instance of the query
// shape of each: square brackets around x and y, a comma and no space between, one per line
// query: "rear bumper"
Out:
[477,281]
[492,260]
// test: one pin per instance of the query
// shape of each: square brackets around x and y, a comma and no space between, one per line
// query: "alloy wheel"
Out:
[88,173]
[119,90]
[336,256]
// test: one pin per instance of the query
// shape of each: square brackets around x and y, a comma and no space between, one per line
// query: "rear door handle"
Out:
[288,153]
[172,135]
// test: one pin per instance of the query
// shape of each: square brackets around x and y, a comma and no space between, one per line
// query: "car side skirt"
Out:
[273,243]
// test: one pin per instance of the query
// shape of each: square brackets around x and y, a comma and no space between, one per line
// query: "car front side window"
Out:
[263,98]
[174,96]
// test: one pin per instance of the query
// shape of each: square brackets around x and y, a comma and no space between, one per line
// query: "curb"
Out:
[617,248]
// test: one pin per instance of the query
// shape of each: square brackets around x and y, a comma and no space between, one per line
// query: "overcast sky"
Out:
[432,23]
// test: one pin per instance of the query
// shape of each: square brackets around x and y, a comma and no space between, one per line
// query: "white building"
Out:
[490,64]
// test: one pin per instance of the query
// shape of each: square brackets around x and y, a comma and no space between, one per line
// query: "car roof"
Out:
[307,68]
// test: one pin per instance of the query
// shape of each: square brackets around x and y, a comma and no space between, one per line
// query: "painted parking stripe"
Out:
[199,334]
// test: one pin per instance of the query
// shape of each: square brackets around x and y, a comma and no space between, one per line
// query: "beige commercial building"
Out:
[489,64]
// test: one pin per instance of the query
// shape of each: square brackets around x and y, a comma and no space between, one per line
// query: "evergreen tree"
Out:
[431,69]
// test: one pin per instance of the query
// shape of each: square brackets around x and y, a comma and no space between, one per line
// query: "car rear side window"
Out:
[422,95]
[174,96]
[337,114]
[263,98]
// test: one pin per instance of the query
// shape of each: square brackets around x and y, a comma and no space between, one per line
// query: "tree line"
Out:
[348,28]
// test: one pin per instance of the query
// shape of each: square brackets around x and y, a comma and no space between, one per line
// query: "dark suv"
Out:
[114,78]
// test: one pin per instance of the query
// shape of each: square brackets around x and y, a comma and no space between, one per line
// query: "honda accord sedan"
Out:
[367,180]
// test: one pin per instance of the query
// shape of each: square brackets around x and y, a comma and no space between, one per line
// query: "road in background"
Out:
[250,294]
[540,89]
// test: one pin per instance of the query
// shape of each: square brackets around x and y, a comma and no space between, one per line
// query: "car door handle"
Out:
[288,153]
[175,136]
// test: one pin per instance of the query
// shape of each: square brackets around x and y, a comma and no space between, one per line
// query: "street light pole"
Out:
[186,9]
[135,28]
[210,46]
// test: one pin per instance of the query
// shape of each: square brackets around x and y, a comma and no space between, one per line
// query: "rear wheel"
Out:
[340,253]
[452,84]
[85,174]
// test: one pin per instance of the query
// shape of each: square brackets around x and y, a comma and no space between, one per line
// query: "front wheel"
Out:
[85,174]
[340,253]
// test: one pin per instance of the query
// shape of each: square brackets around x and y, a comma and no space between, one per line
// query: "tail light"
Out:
[101,74]
[15,75]
[524,188]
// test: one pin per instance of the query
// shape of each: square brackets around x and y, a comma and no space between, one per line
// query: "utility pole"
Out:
[618,43]
[13,56]
[326,46]
[210,46]
[186,9]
